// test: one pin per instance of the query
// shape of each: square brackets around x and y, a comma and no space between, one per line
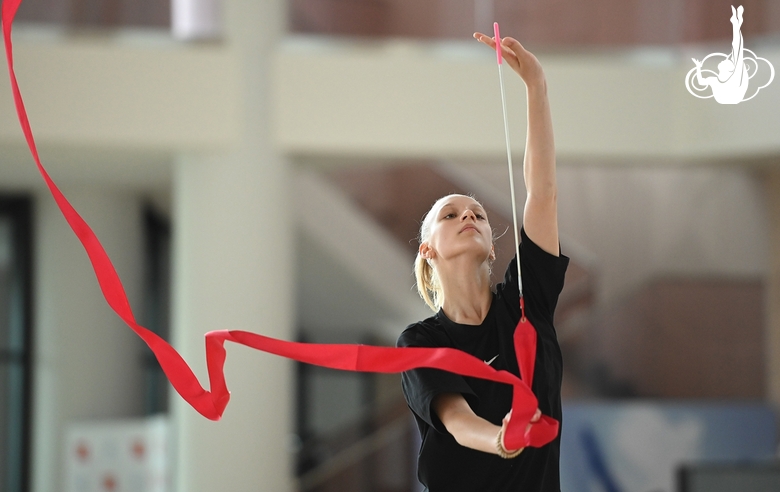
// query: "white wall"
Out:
[650,222]
[392,98]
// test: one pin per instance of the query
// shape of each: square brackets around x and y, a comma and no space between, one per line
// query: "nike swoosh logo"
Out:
[488,362]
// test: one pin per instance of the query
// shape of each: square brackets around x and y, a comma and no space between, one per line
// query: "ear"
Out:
[426,251]
[492,253]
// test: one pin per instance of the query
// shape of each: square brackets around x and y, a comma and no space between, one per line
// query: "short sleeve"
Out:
[543,276]
[421,386]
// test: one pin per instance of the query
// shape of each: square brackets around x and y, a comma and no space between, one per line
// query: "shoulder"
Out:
[536,265]
[533,255]
[425,333]
[528,244]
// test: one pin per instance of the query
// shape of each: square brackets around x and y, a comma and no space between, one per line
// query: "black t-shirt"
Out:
[443,464]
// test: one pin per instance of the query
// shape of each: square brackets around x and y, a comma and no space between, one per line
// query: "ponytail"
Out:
[427,283]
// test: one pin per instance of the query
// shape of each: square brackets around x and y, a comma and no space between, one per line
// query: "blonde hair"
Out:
[428,284]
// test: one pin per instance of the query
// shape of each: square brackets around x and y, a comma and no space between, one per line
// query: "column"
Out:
[233,270]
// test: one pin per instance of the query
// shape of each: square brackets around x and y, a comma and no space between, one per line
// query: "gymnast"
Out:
[462,420]
[731,84]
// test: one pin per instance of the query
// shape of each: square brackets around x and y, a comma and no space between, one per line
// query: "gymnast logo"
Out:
[730,83]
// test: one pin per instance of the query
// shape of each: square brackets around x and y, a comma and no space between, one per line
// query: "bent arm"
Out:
[466,427]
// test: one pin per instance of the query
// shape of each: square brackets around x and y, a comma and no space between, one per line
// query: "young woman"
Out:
[461,420]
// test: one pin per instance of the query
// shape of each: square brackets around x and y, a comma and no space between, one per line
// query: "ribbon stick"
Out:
[211,404]
[500,59]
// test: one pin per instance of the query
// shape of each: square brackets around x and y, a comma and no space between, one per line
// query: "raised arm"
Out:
[540,217]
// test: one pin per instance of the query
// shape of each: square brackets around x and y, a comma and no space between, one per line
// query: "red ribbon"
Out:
[211,404]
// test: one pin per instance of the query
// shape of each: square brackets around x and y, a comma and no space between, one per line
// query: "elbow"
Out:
[462,436]
[457,424]
[543,192]
[453,424]
[458,433]
[542,184]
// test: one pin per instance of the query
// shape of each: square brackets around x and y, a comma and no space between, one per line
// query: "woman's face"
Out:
[459,226]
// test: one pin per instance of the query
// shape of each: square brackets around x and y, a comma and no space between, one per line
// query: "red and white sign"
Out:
[118,456]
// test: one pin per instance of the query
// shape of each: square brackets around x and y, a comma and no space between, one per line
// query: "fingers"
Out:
[506,43]
[512,44]
[537,416]
[485,39]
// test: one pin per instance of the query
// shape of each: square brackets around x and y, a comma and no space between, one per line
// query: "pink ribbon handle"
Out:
[497,36]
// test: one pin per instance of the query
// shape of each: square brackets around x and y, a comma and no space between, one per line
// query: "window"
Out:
[15,342]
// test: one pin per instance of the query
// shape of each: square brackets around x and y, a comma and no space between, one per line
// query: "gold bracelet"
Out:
[502,452]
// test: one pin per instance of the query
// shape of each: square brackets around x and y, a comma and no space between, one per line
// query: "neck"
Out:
[466,289]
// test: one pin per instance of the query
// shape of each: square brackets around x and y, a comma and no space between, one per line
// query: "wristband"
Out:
[502,451]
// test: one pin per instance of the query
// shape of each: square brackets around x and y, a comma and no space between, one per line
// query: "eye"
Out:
[480,216]
[449,216]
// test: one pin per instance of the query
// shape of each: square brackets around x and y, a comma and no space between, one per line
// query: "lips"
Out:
[469,227]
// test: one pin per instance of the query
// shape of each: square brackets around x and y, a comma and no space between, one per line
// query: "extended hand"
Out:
[521,60]
[505,422]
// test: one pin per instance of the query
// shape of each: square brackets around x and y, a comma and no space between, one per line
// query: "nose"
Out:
[468,214]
